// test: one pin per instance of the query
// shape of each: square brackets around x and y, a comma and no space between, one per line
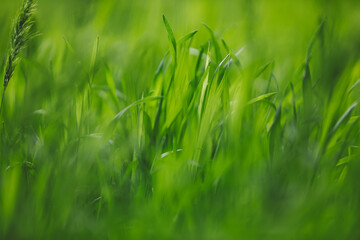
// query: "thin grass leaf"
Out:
[234,58]
[277,118]
[354,86]
[232,55]
[111,85]
[93,59]
[306,79]
[214,42]
[187,37]
[68,45]
[347,159]
[161,66]
[317,33]
[140,123]
[225,46]
[198,62]
[307,89]
[293,102]
[173,48]
[344,118]
[147,99]
[220,66]
[263,68]
[261,97]
[205,84]
[158,114]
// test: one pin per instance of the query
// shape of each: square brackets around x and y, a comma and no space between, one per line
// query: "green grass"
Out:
[182,120]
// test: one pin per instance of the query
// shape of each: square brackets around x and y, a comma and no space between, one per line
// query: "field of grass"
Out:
[193,119]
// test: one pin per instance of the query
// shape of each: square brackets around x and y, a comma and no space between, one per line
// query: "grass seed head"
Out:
[20,36]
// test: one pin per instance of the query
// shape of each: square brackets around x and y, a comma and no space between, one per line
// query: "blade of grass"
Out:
[214,42]
[261,97]
[172,41]
[146,99]
[111,84]
[186,37]
[344,118]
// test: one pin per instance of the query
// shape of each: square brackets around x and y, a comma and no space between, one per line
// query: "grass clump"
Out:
[138,126]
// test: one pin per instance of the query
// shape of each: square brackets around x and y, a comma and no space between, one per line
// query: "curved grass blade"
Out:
[214,42]
[147,99]
[312,41]
[261,97]
[232,55]
[234,58]
[347,159]
[219,67]
[225,46]
[187,37]
[171,37]
[220,70]
[307,85]
[344,118]
[354,86]
[68,45]
[161,66]
[263,68]
[276,122]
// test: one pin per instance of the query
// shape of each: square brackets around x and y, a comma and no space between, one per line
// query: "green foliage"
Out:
[116,127]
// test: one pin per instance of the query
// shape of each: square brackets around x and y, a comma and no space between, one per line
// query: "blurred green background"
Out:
[236,167]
